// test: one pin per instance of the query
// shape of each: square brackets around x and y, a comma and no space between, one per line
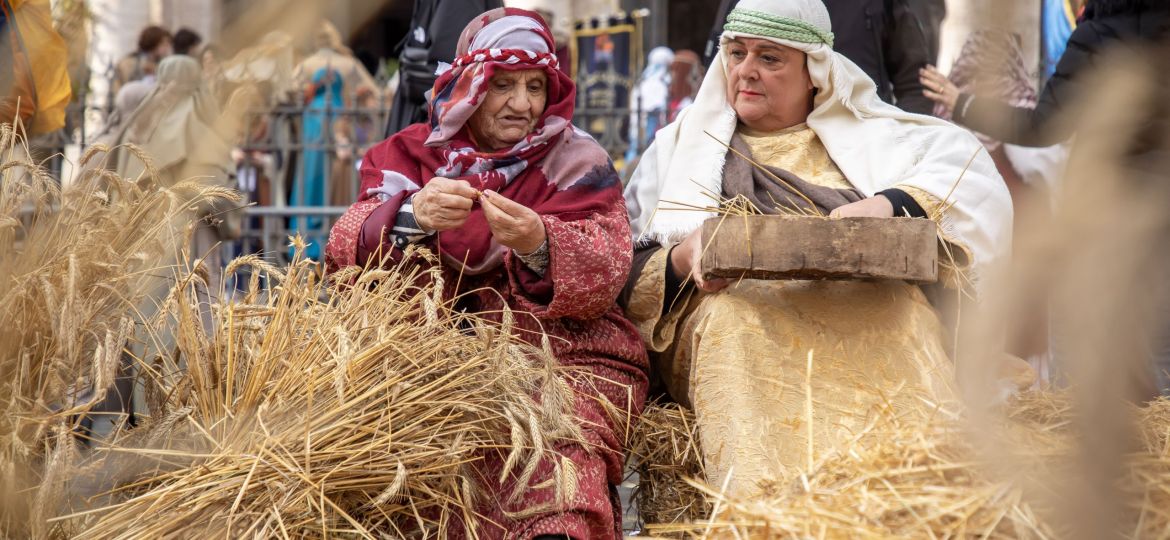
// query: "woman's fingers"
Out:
[933,96]
[506,205]
[453,214]
[459,188]
[495,216]
[446,200]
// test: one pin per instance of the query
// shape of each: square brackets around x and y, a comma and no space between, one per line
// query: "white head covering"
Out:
[876,145]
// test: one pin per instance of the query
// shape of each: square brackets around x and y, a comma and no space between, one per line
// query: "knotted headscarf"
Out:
[556,169]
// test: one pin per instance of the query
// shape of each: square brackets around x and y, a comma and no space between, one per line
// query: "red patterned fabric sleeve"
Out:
[589,259]
[360,233]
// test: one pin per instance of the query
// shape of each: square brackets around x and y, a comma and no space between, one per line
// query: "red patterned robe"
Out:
[574,303]
[563,175]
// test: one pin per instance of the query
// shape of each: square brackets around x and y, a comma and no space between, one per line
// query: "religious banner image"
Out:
[603,67]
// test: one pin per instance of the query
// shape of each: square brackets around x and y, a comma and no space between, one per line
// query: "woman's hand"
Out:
[513,224]
[685,259]
[443,204]
[876,206]
[938,88]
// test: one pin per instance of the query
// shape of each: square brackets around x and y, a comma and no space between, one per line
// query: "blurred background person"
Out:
[187,41]
[177,125]
[1133,26]
[154,44]
[331,53]
[329,78]
[126,102]
[992,64]
[435,26]
[1105,23]
[651,101]
[890,40]
[353,134]
[34,84]
[213,76]
[686,74]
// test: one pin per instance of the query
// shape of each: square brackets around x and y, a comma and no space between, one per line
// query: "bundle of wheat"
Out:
[358,414]
[76,263]
[299,408]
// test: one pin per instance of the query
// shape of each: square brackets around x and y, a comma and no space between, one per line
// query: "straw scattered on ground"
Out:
[665,453]
[917,476]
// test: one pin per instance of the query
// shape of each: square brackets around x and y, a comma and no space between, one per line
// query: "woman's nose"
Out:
[518,101]
[750,69]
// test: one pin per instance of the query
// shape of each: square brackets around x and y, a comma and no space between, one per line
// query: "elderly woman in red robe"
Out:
[524,211]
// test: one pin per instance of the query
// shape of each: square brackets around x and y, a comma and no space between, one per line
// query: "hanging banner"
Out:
[603,59]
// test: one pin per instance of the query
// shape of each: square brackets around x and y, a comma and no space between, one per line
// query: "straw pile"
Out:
[925,476]
[356,415]
[664,451]
[300,409]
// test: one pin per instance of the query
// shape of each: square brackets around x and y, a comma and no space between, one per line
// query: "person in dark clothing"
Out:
[1106,23]
[187,42]
[434,32]
[891,40]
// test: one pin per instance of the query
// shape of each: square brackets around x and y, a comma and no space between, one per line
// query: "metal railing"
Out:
[272,173]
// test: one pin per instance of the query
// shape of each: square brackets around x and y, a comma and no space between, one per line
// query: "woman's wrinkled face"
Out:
[511,107]
[768,84]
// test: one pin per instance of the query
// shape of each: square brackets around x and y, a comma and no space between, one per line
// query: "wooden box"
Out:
[804,247]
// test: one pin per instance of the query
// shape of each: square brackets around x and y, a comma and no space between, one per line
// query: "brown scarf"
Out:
[771,196]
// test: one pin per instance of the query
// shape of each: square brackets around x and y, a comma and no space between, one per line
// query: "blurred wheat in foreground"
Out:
[909,477]
[304,409]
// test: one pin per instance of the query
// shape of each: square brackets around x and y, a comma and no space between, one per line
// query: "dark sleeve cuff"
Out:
[536,287]
[904,204]
[674,285]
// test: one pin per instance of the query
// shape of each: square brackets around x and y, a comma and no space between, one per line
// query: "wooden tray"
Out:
[806,248]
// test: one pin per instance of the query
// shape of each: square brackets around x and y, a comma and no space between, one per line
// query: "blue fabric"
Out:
[309,187]
[1057,26]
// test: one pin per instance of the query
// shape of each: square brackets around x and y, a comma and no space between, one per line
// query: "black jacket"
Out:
[1106,23]
[888,39]
[434,34]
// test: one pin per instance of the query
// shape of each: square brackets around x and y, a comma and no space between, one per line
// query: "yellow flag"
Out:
[38,79]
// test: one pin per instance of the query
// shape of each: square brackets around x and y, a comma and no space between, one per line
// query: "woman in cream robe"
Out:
[740,355]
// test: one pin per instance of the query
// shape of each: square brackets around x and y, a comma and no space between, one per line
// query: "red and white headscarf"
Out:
[557,170]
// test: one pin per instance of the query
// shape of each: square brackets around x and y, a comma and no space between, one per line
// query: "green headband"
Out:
[746,21]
